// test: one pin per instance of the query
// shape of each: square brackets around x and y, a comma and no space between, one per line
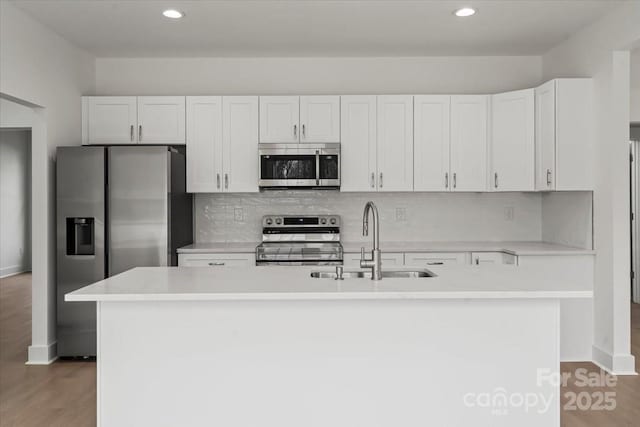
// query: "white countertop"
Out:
[513,248]
[295,283]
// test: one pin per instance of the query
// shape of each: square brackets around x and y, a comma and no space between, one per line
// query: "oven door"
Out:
[299,165]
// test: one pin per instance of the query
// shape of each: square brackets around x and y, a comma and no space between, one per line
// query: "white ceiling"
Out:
[109,28]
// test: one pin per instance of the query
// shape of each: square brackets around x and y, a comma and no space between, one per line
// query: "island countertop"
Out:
[295,283]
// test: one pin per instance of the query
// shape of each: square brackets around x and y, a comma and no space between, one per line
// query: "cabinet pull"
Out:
[304,133]
[373,180]
[446,180]
[477,261]
[380,179]
[295,131]
[131,132]
[548,177]
[495,180]
[455,180]
[435,263]
[218,180]
[226,181]
[317,165]
[213,264]
[139,133]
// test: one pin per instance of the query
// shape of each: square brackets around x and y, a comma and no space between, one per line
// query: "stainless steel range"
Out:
[300,240]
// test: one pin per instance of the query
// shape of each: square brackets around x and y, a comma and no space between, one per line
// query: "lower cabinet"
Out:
[389,259]
[436,258]
[481,258]
[217,260]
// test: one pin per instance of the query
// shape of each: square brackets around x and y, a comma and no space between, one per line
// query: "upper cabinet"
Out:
[287,119]
[395,143]
[512,158]
[222,144]
[564,142]
[358,146]
[109,120]
[431,141]
[469,142]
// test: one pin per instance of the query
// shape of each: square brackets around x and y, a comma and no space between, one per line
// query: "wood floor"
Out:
[64,393]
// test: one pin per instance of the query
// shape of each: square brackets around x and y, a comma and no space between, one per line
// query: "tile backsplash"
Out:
[403,216]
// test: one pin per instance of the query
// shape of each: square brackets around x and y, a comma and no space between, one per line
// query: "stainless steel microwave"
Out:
[299,165]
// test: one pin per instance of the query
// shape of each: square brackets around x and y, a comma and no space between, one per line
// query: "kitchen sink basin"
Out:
[366,274]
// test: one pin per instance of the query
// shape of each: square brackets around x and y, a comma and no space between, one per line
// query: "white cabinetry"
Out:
[358,146]
[512,141]
[110,120]
[481,258]
[469,142]
[395,143]
[222,144]
[217,260]
[286,119]
[426,259]
[564,135]
[431,142]
[389,259]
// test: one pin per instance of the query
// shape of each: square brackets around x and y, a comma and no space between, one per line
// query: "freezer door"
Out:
[80,243]
[138,187]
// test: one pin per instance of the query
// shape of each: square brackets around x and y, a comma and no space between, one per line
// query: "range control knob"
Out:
[323,220]
[268,221]
[333,221]
[278,221]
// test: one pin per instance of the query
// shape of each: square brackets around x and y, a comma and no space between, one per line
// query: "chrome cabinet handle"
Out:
[304,134]
[380,179]
[436,263]
[131,132]
[446,180]
[373,180]
[218,180]
[317,167]
[477,261]
[140,133]
[226,181]
[495,179]
[548,177]
[295,131]
[216,263]
[455,180]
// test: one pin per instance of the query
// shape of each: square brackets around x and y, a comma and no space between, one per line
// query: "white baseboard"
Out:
[42,354]
[616,364]
[12,270]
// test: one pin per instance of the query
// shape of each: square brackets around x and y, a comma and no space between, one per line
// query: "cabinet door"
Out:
[395,143]
[469,142]
[427,259]
[279,119]
[109,120]
[481,258]
[431,143]
[240,143]
[546,136]
[161,120]
[389,259]
[513,141]
[358,147]
[204,144]
[320,119]
[216,260]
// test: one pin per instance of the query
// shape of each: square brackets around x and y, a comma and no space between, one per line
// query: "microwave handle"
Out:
[317,167]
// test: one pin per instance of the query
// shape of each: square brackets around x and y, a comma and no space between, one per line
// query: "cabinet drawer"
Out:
[480,258]
[436,258]
[216,260]
[352,260]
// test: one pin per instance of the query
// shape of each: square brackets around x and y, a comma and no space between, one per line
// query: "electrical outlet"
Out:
[401,214]
[238,214]
[509,213]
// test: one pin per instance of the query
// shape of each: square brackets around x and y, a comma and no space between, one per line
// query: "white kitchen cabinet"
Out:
[240,143]
[564,142]
[319,119]
[222,144]
[279,119]
[431,142]
[469,142]
[161,120]
[358,146]
[426,259]
[512,148]
[109,120]
[217,260]
[482,258]
[389,259]
[395,143]
[204,144]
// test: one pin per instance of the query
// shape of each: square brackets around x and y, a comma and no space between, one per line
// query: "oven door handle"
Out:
[317,167]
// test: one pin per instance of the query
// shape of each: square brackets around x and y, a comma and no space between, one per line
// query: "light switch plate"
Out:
[401,214]
[509,213]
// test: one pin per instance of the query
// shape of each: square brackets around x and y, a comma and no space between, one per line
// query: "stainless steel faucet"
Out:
[375,263]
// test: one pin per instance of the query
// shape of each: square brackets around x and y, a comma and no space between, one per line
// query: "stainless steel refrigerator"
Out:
[117,208]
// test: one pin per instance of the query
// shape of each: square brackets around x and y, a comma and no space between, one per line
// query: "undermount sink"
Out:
[366,274]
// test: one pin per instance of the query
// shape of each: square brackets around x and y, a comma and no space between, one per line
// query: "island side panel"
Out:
[383,363]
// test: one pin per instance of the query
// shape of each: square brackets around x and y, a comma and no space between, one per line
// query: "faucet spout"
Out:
[375,263]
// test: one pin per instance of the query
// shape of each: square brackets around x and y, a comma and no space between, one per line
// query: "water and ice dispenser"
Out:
[81,236]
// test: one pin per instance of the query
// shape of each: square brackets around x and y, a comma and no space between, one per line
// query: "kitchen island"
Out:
[273,346]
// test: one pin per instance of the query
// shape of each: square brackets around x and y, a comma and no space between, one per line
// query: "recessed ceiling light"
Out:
[173,14]
[464,12]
